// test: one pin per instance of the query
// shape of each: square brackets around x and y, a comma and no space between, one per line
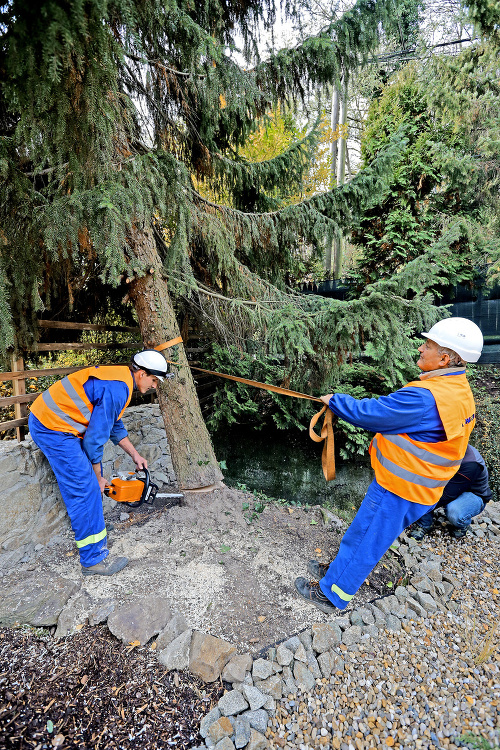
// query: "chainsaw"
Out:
[133,490]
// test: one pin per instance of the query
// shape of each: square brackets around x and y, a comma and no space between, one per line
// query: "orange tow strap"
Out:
[328,455]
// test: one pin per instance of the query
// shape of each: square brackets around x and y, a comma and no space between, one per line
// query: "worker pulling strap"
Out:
[326,435]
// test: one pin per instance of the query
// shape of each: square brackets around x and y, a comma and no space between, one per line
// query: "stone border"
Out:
[298,664]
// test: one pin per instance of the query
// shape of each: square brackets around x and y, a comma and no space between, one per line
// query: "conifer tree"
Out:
[117,118]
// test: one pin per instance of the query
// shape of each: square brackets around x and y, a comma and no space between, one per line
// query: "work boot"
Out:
[107,567]
[317,570]
[457,533]
[311,591]
[418,532]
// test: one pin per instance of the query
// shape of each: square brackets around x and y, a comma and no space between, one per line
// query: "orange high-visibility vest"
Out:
[419,471]
[64,407]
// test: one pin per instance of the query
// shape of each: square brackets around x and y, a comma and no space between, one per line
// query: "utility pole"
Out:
[341,162]
[334,122]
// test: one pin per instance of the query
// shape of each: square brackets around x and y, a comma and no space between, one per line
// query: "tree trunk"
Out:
[193,456]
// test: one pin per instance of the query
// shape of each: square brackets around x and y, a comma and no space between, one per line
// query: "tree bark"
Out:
[193,456]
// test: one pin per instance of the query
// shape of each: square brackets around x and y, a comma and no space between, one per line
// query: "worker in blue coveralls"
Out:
[422,433]
[464,497]
[71,422]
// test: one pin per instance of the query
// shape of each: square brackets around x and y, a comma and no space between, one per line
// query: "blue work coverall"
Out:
[71,459]
[382,515]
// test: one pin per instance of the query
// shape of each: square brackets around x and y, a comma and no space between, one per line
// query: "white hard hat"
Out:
[459,334]
[152,362]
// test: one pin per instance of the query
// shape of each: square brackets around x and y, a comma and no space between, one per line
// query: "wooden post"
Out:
[19,389]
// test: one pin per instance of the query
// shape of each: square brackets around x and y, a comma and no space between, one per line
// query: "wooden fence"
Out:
[18,375]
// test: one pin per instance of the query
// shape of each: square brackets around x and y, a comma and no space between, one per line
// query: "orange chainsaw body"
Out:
[125,490]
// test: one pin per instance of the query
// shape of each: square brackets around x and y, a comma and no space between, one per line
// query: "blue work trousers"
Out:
[381,518]
[459,512]
[79,489]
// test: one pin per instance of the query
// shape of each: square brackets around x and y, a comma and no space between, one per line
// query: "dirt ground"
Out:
[228,568]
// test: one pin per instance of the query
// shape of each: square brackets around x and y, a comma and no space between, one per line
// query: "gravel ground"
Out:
[427,686]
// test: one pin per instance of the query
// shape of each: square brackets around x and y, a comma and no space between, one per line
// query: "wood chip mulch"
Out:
[92,691]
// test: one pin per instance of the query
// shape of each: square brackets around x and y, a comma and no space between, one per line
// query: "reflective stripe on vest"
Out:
[65,407]
[422,453]
[418,471]
[51,404]
[408,476]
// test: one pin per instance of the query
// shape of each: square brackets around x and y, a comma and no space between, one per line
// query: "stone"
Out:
[236,668]
[221,728]
[356,618]
[209,656]
[272,686]
[371,630]
[416,607]
[351,635]
[379,616]
[139,620]
[325,636]
[401,593]
[174,627]
[292,643]
[303,677]
[208,720]
[262,669]
[255,697]
[101,612]
[176,654]
[257,741]
[367,616]
[427,602]
[343,622]
[306,639]
[74,613]
[242,731]
[337,662]
[36,600]
[225,744]
[300,654]
[270,706]
[232,703]
[313,664]
[257,719]
[284,656]
[392,623]
[325,664]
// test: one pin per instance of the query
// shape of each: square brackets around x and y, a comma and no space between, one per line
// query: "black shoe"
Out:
[457,533]
[419,532]
[317,570]
[311,591]
[107,567]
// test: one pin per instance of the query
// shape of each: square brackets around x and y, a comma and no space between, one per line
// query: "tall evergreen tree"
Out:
[117,117]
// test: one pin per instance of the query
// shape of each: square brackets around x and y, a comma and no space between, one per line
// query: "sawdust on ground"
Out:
[228,576]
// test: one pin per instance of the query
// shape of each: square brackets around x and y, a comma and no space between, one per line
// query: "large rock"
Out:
[232,703]
[237,667]
[176,654]
[325,636]
[140,620]
[257,741]
[36,600]
[174,628]
[209,656]
[74,613]
[303,677]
